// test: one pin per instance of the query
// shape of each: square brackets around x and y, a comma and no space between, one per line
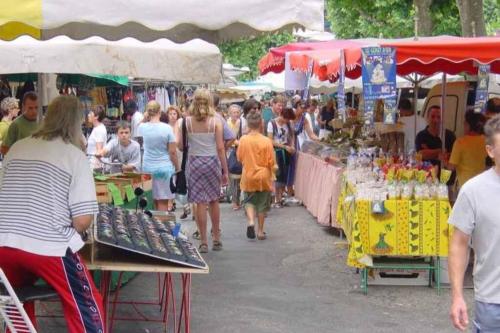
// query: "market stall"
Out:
[312,173]
[194,62]
[391,205]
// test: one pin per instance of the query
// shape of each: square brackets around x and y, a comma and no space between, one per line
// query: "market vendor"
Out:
[47,200]
[326,115]
[22,126]
[123,149]
[428,142]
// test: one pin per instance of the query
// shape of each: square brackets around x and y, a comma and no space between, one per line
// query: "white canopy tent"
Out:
[193,62]
[180,21]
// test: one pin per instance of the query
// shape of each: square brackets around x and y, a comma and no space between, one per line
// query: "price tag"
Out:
[115,194]
[129,191]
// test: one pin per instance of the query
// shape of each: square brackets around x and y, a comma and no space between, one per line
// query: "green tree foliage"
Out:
[248,51]
[388,18]
[492,16]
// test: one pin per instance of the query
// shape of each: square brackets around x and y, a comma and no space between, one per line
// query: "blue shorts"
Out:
[487,318]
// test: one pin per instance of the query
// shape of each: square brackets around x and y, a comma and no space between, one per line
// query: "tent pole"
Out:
[415,100]
[443,106]
[41,94]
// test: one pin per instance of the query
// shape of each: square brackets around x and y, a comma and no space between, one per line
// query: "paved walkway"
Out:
[295,281]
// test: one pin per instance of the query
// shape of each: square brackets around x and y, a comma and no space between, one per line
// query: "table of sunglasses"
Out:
[129,241]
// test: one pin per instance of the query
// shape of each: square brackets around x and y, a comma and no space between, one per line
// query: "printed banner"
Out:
[379,73]
[483,78]
[341,89]
[294,80]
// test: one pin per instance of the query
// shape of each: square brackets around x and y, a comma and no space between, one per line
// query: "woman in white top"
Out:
[98,137]
[303,125]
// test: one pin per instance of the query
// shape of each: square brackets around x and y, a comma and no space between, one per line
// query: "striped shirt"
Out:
[43,186]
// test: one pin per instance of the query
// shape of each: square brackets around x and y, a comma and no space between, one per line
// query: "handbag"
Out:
[178,182]
[233,165]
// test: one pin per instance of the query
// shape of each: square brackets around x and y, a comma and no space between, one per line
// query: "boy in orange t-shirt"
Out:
[256,154]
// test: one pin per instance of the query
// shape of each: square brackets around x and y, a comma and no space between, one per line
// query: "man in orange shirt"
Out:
[256,154]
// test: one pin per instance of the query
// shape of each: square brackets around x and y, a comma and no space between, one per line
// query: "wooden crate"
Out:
[102,193]
[143,180]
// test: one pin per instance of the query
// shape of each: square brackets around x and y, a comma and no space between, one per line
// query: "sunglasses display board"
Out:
[149,236]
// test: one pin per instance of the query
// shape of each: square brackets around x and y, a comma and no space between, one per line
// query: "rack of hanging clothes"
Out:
[144,91]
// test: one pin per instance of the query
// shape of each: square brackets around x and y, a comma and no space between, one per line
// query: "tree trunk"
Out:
[423,16]
[471,17]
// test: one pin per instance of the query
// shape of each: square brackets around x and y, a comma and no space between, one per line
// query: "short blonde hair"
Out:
[202,106]
[63,120]
[153,108]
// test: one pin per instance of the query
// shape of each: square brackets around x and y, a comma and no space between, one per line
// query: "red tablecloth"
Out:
[317,185]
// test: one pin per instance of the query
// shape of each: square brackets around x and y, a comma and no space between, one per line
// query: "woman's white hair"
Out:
[9,103]
[234,106]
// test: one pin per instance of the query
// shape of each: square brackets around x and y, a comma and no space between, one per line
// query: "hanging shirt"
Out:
[137,118]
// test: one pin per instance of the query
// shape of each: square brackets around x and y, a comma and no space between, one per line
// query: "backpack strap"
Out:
[275,128]
[184,144]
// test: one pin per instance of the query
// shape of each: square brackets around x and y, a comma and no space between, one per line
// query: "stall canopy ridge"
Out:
[426,56]
[213,20]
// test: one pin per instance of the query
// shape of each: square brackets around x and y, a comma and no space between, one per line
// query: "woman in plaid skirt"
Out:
[207,165]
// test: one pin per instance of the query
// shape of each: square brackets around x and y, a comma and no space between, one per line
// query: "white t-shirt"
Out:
[43,186]
[302,136]
[135,122]
[476,214]
[98,135]
[409,130]
[282,135]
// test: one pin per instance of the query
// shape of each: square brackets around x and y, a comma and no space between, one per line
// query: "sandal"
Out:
[203,248]
[251,232]
[262,237]
[196,235]
[217,246]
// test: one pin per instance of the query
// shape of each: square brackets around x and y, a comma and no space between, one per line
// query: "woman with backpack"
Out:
[281,132]
[235,123]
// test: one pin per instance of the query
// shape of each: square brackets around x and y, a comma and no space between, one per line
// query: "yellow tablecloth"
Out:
[407,228]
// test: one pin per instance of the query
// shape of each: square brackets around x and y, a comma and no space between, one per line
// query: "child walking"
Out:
[256,154]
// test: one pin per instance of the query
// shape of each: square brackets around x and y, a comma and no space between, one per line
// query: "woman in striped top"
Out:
[47,199]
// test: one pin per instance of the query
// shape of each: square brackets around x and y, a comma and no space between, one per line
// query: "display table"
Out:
[407,228]
[317,185]
[110,260]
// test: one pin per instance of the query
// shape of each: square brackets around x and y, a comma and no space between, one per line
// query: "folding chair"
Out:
[11,309]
